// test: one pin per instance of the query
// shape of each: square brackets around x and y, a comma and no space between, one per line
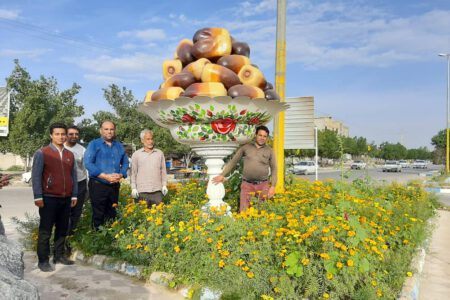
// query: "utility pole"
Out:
[280,84]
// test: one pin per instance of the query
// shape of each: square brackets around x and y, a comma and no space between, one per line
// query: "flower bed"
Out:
[316,240]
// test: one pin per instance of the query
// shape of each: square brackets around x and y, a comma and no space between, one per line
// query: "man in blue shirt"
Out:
[107,163]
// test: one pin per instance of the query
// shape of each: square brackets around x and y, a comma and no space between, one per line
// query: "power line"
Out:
[47,35]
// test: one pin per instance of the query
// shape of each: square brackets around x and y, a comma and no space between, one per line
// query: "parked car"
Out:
[420,164]
[404,164]
[392,166]
[26,177]
[304,167]
[358,165]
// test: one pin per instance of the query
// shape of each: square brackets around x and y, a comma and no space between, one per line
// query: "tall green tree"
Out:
[35,104]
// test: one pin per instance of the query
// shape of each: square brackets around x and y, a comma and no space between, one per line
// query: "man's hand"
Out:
[218,179]
[39,203]
[73,202]
[271,192]
[134,193]
[164,190]
[111,178]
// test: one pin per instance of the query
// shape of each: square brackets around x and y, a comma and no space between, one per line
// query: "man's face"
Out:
[147,141]
[261,137]
[108,131]
[58,136]
[72,136]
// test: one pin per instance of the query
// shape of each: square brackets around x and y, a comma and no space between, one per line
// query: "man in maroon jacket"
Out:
[54,180]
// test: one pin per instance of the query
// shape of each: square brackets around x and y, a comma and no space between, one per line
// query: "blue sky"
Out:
[371,64]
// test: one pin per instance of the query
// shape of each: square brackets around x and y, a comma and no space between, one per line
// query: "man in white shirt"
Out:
[71,144]
[148,172]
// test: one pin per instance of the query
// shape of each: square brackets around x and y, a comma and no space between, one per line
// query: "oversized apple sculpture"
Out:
[212,99]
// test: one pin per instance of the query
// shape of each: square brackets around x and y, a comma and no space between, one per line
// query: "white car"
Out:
[358,165]
[304,167]
[420,164]
[404,164]
[392,166]
[26,177]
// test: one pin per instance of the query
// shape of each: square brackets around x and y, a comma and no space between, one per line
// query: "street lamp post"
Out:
[447,152]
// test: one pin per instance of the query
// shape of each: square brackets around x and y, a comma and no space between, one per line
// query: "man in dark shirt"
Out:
[259,161]
[107,163]
[54,181]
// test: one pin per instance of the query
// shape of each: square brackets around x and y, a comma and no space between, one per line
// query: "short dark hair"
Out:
[262,127]
[73,127]
[57,125]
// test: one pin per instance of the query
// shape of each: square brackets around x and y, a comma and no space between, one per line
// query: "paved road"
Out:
[75,282]
[373,173]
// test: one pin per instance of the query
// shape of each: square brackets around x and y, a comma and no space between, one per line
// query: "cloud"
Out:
[325,34]
[33,53]
[144,35]
[248,8]
[9,14]
[104,79]
[137,65]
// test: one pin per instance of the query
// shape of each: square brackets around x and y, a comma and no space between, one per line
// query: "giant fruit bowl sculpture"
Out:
[212,99]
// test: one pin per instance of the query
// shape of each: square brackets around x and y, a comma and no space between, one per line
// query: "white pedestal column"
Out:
[214,155]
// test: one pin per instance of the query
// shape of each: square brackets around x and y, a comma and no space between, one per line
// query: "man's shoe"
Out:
[45,267]
[63,260]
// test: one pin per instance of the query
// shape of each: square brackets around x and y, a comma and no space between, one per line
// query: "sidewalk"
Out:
[79,282]
[72,282]
[435,277]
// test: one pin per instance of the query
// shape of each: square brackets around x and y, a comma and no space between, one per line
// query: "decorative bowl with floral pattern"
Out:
[204,120]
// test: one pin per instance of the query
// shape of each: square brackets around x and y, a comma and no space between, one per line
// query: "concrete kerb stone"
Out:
[411,287]
[162,278]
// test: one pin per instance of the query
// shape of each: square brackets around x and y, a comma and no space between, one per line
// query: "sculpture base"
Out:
[214,155]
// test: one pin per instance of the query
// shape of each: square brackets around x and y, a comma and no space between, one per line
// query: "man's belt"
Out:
[254,181]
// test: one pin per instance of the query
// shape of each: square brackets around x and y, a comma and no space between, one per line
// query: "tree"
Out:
[328,144]
[439,141]
[392,151]
[130,122]
[35,104]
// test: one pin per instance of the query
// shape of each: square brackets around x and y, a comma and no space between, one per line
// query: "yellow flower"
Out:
[141,237]
[158,221]
[351,233]
[221,264]
[277,289]
[409,274]
[305,261]
[329,276]
[325,256]
[374,283]
[339,265]
[265,297]
[177,249]
[209,240]
[350,263]
[129,246]
[326,295]
[250,274]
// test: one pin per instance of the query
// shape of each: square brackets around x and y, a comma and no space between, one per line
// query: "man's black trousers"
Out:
[103,196]
[75,212]
[55,212]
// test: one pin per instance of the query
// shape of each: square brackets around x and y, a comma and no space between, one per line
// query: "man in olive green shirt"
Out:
[259,163]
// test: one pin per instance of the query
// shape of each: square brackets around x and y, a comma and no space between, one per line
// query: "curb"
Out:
[411,287]
[438,190]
